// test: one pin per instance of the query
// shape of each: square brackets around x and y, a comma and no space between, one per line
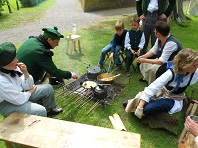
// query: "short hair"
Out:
[162,27]
[184,59]
[119,25]
[135,19]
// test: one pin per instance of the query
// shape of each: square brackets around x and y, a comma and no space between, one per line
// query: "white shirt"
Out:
[128,45]
[153,5]
[169,48]
[14,90]
[155,86]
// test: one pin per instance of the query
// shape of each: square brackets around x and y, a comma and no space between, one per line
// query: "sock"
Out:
[139,112]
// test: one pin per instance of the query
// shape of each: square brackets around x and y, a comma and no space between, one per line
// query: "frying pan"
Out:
[106,78]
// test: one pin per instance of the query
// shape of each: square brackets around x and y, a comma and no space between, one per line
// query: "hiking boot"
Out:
[124,104]
[142,80]
[128,73]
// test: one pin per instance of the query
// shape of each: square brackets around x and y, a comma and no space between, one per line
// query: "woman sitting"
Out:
[166,93]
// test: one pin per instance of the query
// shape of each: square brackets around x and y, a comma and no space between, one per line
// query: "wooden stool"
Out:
[120,54]
[73,38]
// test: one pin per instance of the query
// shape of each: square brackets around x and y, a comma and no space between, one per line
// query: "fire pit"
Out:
[82,93]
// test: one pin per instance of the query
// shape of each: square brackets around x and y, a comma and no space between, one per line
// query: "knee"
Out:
[41,111]
[49,87]
[103,52]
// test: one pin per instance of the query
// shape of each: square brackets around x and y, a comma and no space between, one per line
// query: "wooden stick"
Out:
[113,123]
[189,109]
[119,122]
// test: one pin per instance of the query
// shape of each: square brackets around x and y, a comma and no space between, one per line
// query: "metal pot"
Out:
[93,72]
[99,92]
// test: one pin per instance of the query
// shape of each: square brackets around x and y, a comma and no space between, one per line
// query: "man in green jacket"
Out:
[151,11]
[36,54]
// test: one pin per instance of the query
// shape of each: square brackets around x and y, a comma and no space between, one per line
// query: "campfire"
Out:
[84,90]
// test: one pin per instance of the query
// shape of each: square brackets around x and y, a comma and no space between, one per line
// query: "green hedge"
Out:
[2,2]
[29,3]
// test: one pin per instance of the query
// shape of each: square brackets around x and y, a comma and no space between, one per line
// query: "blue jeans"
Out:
[107,49]
[43,94]
[156,106]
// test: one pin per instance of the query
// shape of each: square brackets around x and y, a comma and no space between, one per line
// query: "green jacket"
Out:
[142,5]
[33,54]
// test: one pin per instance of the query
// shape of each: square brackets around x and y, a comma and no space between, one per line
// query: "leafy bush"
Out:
[29,3]
[2,2]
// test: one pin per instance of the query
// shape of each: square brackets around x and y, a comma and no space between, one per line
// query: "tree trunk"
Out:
[178,13]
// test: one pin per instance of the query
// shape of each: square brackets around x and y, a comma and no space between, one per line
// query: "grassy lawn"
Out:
[94,38]
[24,15]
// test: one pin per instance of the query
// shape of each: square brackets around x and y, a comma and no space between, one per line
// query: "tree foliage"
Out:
[2,2]
[29,3]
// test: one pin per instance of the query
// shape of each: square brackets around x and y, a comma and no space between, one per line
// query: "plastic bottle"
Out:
[74,29]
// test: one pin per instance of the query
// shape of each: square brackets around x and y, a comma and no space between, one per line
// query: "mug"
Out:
[194,118]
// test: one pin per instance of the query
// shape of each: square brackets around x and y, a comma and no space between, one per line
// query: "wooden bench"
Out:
[37,131]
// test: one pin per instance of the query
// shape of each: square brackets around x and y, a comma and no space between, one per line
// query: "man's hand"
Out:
[191,126]
[74,76]
[162,17]
[141,60]
[23,69]
[33,89]
[142,17]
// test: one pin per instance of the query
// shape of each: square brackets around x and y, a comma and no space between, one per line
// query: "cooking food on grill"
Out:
[89,84]
[107,77]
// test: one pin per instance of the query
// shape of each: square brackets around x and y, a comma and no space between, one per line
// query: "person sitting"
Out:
[164,50]
[134,43]
[166,93]
[17,89]
[116,46]
[36,54]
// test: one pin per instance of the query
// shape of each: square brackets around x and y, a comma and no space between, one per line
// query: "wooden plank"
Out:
[115,126]
[47,132]
[119,122]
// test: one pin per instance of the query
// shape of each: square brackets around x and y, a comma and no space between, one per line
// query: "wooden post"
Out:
[9,8]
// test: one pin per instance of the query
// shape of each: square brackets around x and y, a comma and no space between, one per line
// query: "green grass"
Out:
[94,38]
[24,15]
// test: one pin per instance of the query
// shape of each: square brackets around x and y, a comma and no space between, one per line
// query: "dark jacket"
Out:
[142,5]
[118,40]
[35,53]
